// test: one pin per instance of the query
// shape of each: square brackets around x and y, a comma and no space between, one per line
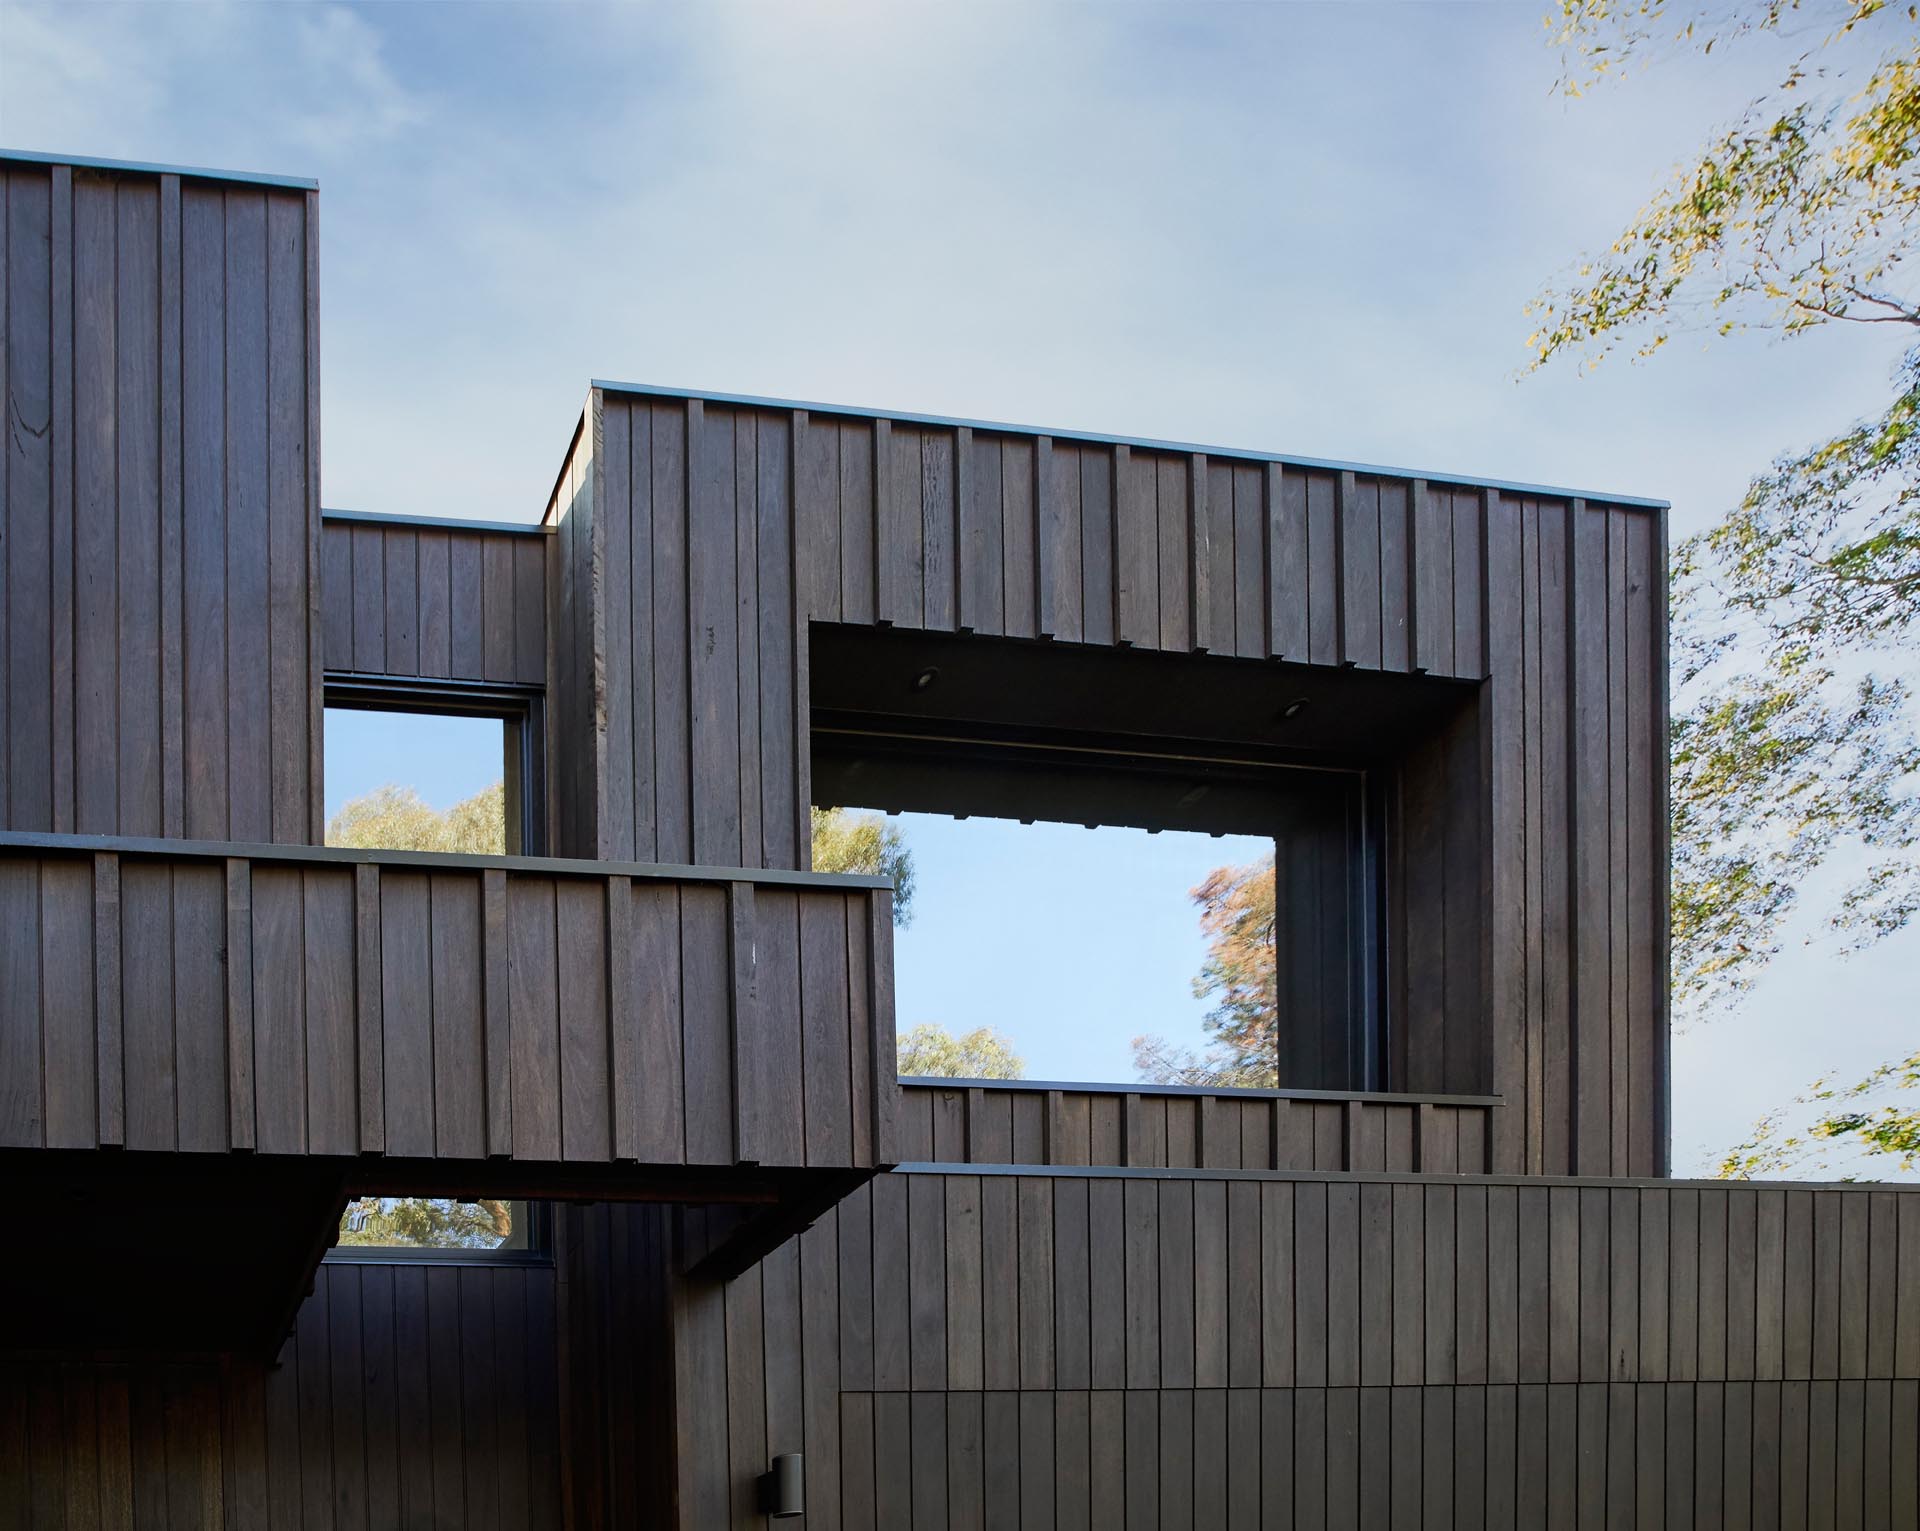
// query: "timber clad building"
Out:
[1436,1279]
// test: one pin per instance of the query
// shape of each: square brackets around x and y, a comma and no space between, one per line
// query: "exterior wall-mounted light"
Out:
[783,1492]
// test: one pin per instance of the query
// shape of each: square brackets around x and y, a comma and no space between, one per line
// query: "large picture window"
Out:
[1167,871]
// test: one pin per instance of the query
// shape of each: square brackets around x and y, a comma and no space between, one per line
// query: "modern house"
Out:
[1436,1278]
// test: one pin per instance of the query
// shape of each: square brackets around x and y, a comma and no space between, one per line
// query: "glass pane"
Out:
[433,1222]
[415,781]
[1056,951]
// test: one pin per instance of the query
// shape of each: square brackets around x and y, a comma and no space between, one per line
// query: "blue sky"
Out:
[1308,228]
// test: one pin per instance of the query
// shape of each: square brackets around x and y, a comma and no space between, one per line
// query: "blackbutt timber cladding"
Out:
[203,998]
[702,536]
[1064,1350]
[406,1395]
[1111,1125]
[1473,1349]
[159,493]
[406,600]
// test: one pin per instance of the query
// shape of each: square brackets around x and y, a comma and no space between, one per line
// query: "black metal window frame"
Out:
[538,1250]
[521,711]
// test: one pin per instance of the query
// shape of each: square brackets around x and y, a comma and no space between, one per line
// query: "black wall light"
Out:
[783,1492]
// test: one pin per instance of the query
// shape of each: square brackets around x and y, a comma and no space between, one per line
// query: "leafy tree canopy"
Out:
[423,1222]
[397,818]
[931,1051]
[1240,976]
[1866,1119]
[846,841]
[1795,613]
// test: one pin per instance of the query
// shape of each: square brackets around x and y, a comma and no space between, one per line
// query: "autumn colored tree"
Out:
[1240,975]
[1795,612]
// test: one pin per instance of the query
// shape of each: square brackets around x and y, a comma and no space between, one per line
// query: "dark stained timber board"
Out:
[340,1003]
[1111,1311]
[160,498]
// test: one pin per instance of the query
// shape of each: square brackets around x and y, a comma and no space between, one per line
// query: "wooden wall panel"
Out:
[406,1396]
[159,500]
[333,1003]
[419,601]
[1533,853]
[1646,1455]
[605,1390]
[987,1122]
[689,569]
[1388,1306]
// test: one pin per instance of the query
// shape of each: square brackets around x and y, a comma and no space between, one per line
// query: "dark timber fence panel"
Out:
[336,1003]
[159,503]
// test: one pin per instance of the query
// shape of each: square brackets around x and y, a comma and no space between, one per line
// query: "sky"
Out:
[1304,228]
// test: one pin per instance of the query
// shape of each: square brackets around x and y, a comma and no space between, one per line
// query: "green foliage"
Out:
[1799,214]
[1791,741]
[423,1222]
[1866,1117]
[396,818]
[1788,742]
[1601,37]
[1241,976]
[1771,772]
[845,841]
[931,1051]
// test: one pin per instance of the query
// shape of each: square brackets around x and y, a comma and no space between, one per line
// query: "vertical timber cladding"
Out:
[699,536]
[413,600]
[160,504]
[1448,1351]
[408,1395]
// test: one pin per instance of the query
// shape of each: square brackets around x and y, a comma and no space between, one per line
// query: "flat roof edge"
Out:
[146,167]
[1147,443]
[441,523]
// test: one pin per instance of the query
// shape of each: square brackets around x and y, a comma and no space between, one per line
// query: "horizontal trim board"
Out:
[429,860]
[373,691]
[960,1170]
[1141,443]
[438,523]
[373,1254]
[147,167]
[1210,1092]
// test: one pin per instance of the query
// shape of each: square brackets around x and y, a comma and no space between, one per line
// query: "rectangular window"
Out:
[1105,915]
[1168,867]
[441,1228]
[434,767]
